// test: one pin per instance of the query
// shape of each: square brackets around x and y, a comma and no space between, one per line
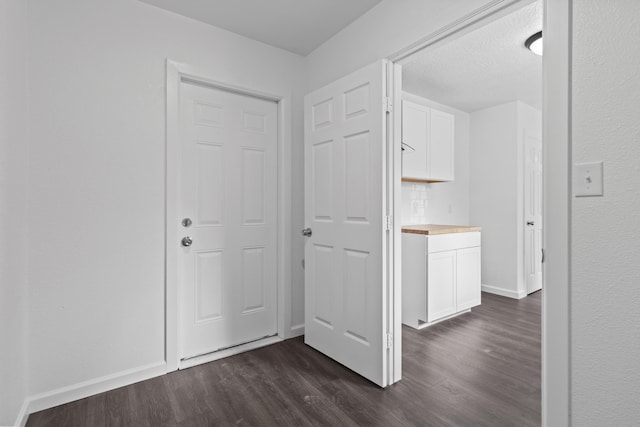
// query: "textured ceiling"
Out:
[298,26]
[486,67]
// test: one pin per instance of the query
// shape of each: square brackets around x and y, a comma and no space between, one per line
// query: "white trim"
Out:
[171,214]
[556,139]
[392,370]
[504,292]
[395,93]
[217,355]
[296,330]
[464,25]
[94,386]
[176,73]
[23,415]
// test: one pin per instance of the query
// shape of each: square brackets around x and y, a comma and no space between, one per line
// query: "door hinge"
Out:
[388,104]
[389,341]
[388,223]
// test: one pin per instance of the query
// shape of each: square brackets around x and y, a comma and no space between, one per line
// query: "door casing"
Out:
[177,73]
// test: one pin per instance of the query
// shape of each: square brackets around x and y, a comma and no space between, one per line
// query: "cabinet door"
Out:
[468,278]
[414,134]
[440,146]
[441,289]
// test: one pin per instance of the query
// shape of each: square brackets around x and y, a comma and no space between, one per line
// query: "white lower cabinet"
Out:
[441,285]
[440,276]
[467,278]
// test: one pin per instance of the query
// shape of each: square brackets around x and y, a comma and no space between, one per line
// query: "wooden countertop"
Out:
[431,229]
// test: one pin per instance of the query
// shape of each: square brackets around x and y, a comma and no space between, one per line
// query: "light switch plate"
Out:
[588,179]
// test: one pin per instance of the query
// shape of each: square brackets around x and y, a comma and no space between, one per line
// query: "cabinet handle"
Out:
[404,144]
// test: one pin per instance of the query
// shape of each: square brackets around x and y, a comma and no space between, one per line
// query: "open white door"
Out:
[347,299]
[533,213]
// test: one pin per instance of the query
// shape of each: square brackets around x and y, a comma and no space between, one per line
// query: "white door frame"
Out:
[556,118]
[557,158]
[176,74]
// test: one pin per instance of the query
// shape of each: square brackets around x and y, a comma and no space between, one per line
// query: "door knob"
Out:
[307,232]
[187,241]
[529,222]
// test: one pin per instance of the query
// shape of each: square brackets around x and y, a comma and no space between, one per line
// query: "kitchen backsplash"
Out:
[434,204]
[414,203]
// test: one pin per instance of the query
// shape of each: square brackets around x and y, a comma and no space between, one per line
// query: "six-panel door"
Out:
[345,288]
[228,189]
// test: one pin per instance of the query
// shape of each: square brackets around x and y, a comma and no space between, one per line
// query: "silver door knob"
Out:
[187,241]
[307,232]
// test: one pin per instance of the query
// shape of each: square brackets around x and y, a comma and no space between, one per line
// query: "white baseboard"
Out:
[504,292]
[60,396]
[210,357]
[21,419]
[84,389]
[296,331]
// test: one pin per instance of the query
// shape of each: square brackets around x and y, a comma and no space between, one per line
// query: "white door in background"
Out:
[228,190]
[346,303]
[533,213]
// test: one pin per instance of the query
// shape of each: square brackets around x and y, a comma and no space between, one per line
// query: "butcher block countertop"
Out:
[431,229]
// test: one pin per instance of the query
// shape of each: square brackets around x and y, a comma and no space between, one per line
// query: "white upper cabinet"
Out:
[440,145]
[415,122]
[428,138]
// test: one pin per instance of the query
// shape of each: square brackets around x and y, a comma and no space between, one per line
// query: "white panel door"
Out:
[228,190]
[533,213]
[345,283]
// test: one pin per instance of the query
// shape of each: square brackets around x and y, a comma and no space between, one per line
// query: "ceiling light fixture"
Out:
[534,43]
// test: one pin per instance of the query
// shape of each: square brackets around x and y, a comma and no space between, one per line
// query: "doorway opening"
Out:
[484,88]
[471,135]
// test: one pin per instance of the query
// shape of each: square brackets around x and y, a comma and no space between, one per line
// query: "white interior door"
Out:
[346,307]
[228,190]
[533,213]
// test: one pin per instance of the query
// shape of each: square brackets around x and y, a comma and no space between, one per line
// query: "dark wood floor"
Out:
[479,369]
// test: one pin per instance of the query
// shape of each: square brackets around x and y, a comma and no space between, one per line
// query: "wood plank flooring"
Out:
[479,369]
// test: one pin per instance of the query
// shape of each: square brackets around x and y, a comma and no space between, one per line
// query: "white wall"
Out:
[390,26]
[496,191]
[605,283]
[13,209]
[441,202]
[493,191]
[96,202]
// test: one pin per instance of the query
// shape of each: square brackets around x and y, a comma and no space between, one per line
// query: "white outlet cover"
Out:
[588,179]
